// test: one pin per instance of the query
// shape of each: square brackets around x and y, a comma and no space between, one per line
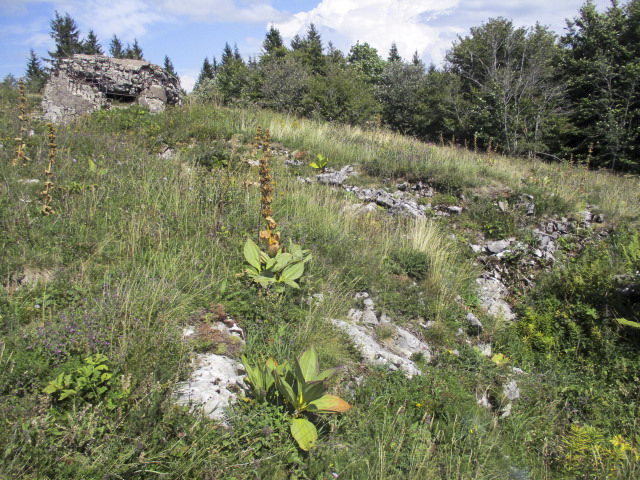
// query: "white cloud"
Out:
[187,82]
[429,26]
[126,18]
[378,22]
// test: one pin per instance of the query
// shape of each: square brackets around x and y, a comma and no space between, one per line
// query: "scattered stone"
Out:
[409,344]
[369,317]
[484,401]
[511,390]
[366,208]
[530,209]
[475,248]
[491,294]
[473,321]
[454,209]
[355,315]
[484,348]
[29,181]
[498,246]
[506,411]
[373,352]
[294,163]
[167,153]
[302,179]
[385,200]
[402,187]
[336,178]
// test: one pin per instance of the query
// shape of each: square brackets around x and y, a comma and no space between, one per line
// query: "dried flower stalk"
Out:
[21,156]
[48,183]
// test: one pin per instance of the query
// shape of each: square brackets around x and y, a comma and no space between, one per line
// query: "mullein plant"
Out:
[48,183]
[270,236]
[21,156]
[277,266]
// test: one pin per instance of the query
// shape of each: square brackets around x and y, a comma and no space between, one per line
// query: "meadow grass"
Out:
[140,244]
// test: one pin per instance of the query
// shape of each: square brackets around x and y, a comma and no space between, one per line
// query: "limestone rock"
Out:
[83,84]
[213,385]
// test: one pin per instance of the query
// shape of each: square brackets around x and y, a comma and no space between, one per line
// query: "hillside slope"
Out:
[413,243]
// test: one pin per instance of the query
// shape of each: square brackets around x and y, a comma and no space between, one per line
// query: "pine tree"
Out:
[296,43]
[35,74]
[115,47]
[394,56]
[416,60]
[273,42]
[66,36]
[227,55]
[134,52]
[168,66]
[91,46]
[313,46]
[236,53]
[206,73]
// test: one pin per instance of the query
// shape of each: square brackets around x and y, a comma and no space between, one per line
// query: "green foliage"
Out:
[92,383]
[302,388]
[282,269]
[601,68]
[409,262]
[319,163]
[588,454]
[631,252]
[260,377]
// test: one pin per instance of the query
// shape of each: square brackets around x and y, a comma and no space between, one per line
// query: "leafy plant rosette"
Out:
[282,269]
[302,387]
[320,163]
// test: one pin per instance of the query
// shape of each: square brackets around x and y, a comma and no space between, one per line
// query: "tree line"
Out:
[68,42]
[520,91]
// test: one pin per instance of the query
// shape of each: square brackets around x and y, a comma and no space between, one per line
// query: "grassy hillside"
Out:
[141,246]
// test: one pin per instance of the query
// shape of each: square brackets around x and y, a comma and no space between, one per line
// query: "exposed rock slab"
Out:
[213,385]
[491,297]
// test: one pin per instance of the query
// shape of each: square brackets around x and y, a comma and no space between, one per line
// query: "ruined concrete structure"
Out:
[83,84]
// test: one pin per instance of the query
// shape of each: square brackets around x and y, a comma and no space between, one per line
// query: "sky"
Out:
[190,30]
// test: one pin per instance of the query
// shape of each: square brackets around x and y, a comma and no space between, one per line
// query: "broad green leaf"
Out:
[49,389]
[309,364]
[313,391]
[627,323]
[314,165]
[291,283]
[325,374]
[293,272]
[270,263]
[67,393]
[304,432]
[328,404]
[252,254]
[282,260]
[285,389]
[92,166]
[500,359]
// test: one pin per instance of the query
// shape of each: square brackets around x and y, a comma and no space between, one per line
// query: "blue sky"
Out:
[189,30]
